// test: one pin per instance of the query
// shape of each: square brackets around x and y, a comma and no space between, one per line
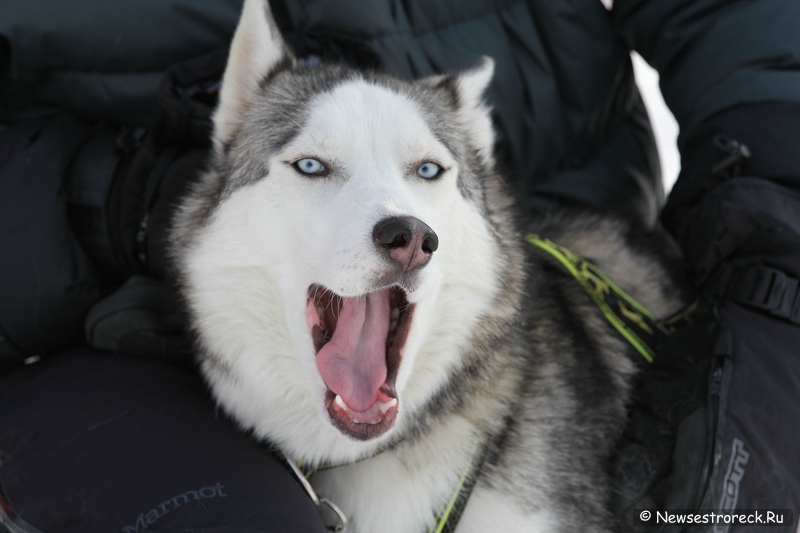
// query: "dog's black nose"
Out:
[407,240]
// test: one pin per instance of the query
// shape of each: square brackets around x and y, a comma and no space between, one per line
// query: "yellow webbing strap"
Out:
[444,517]
[635,323]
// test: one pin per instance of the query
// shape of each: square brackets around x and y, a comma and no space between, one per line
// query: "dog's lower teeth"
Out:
[338,401]
[385,406]
[382,407]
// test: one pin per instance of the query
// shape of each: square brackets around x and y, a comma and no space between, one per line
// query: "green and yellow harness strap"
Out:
[447,520]
[635,323]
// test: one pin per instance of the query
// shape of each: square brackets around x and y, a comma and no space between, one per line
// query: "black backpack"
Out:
[716,425]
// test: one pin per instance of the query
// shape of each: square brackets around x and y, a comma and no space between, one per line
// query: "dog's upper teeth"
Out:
[393,318]
[385,406]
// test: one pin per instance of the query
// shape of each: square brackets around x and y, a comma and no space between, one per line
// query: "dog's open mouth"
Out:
[359,343]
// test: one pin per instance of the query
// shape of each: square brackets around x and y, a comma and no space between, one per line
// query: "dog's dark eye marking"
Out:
[310,167]
[429,170]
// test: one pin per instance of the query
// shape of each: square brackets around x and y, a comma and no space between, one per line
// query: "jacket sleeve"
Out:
[101,59]
[714,55]
[730,72]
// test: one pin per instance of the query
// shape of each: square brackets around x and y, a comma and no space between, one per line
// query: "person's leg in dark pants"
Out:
[91,441]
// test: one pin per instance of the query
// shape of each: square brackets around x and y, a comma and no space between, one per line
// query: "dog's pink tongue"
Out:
[353,362]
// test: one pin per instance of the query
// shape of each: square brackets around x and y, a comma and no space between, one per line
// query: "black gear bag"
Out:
[716,425]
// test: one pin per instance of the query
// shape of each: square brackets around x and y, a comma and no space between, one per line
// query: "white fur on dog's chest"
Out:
[399,492]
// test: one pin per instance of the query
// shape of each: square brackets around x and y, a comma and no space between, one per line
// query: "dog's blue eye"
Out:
[429,171]
[310,166]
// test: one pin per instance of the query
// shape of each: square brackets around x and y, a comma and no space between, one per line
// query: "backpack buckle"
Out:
[736,154]
[767,289]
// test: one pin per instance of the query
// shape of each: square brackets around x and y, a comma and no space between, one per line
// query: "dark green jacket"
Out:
[569,117]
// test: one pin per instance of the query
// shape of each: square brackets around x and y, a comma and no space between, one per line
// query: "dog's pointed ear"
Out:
[472,84]
[467,89]
[256,52]
[475,114]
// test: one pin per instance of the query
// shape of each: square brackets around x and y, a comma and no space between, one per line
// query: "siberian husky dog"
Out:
[364,299]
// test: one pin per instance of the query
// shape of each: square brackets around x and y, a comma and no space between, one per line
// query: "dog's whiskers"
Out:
[498,276]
